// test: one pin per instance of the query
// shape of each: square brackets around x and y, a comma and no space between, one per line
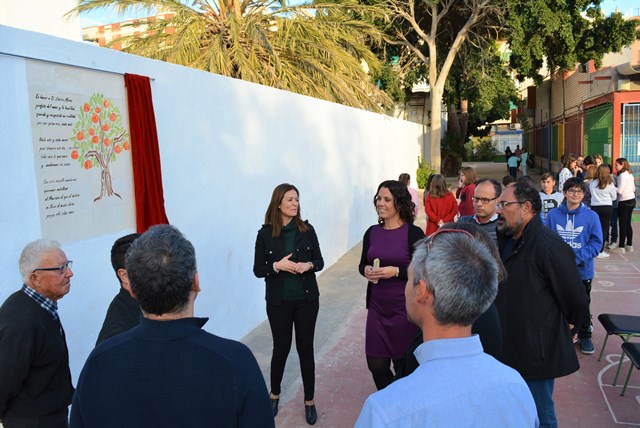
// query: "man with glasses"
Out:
[456,383]
[540,300]
[484,199]
[35,381]
[579,227]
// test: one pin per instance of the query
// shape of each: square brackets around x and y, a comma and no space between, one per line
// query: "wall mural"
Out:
[80,136]
[99,137]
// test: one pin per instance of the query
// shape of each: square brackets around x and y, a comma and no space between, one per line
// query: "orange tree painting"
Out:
[99,137]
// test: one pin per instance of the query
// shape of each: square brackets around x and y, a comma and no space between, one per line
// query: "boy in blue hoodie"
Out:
[580,228]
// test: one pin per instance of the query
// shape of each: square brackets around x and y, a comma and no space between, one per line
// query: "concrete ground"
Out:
[583,399]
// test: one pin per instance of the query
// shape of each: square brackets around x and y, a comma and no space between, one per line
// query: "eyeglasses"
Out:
[502,205]
[429,239]
[61,269]
[575,191]
[483,200]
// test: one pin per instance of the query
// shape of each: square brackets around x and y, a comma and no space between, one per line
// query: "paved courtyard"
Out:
[583,399]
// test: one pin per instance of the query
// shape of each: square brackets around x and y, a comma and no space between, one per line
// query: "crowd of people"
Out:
[500,318]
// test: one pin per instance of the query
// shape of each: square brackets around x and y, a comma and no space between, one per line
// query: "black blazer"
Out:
[269,250]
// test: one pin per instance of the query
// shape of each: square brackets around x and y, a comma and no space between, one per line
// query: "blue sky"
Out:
[107,16]
[625,6]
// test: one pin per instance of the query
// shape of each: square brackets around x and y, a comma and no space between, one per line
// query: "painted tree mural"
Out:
[99,137]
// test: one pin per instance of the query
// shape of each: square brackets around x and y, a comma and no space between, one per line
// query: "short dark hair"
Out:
[525,179]
[574,182]
[508,179]
[496,186]
[546,176]
[118,251]
[525,192]
[404,178]
[162,268]
[401,199]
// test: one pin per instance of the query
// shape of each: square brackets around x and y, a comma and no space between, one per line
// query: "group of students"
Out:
[517,159]
[611,197]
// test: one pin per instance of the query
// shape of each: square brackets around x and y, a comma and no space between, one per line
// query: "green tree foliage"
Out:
[311,49]
[483,78]
[563,33]
[434,32]
[423,172]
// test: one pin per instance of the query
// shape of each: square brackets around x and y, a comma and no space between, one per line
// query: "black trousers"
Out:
[584,330]
[625,210]
[301,315]
[604,214]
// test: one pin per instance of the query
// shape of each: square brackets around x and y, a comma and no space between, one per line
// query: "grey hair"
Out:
[161,265]
[31,256]
[460,272]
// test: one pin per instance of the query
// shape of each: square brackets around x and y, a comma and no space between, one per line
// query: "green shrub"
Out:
[423,172]
[485,149]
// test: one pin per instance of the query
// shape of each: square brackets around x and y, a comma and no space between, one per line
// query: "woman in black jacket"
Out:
[287,255]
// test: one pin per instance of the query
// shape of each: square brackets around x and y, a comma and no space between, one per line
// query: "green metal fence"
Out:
[598,131]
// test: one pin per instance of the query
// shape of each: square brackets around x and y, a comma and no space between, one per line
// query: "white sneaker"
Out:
[613,245]
[629,248]
[603,255]
[617,250]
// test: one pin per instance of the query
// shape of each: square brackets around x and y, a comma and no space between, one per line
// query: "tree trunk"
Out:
[106,189]
[435,128]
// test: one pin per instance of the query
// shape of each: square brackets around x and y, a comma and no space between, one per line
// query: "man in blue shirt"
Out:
[456,383]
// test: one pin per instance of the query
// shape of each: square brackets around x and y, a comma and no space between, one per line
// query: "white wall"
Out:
[224,145]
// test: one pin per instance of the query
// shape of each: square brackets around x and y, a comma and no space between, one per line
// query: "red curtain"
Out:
[145,155]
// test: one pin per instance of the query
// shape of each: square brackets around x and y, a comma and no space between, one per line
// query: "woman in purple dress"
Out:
[388,244]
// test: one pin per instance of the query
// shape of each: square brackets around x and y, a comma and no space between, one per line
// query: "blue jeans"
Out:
[542,392]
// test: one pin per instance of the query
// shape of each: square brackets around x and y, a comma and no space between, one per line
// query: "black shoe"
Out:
[274,405]
[311,414]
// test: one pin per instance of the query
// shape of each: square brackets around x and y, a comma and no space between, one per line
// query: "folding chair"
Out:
[625,326]
[633,352]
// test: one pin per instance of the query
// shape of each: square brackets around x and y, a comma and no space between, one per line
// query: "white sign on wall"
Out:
[82,151]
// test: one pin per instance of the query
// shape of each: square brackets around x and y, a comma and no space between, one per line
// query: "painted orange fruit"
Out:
[117,148]
[80,136]
[92,131]
[86,107]
[126,145]
[94,118]
[105,127]
[106,142]
[106,103]
[87,164]
[74,155]
[98,109]
[95,139]
[112,117]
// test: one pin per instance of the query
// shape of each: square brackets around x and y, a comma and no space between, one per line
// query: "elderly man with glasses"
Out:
[484,199]
[542,298]
[35,381]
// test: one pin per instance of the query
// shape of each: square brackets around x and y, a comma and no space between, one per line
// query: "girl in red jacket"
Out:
[466,187]
[441,206]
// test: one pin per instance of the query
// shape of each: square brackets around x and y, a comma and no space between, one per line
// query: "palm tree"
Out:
[311,49]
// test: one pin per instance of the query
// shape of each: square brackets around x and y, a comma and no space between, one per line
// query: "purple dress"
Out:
[388,332]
